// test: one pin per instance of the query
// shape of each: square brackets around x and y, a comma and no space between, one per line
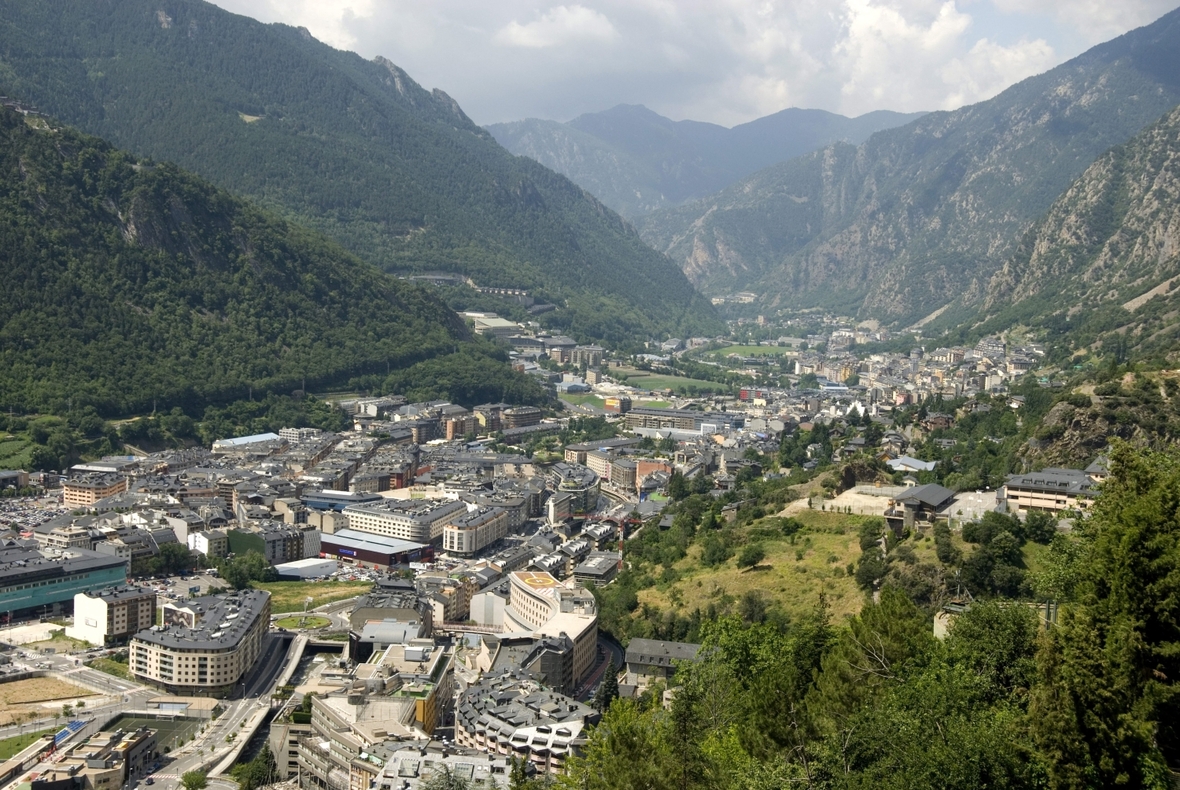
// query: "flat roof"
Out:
[355,539]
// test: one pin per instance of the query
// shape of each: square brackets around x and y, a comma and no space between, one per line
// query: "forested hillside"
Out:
[637,161]
[353,148]
[925,214]
[131,285]
[1016,696]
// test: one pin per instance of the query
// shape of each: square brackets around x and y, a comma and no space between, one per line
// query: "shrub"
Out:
[751,555]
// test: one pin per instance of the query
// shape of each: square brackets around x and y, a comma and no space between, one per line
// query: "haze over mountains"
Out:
[637,161]
[919,218]
[354,148]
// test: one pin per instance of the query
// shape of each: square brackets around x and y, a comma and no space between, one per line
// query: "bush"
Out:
[1040,527]
[751,555]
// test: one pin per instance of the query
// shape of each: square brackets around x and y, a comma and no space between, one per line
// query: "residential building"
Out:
[652,660]
[510,713]
[84,490]
[1051,490]
[478,528]
[212,543]
[204,646]
[113,615]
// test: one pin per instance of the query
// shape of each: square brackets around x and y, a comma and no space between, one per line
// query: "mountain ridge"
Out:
[353,148]
[133,284]
[636,160]
[921,216]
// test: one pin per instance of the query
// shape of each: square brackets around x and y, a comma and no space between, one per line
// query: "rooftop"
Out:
[220,621]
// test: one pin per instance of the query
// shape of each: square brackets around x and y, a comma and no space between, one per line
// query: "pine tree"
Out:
[608,689]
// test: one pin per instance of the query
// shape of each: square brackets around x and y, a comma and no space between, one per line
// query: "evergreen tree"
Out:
[608,689]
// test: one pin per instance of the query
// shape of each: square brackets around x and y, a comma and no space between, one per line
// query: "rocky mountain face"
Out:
[920,218]
[637,161]
[1103,264]
[351,147]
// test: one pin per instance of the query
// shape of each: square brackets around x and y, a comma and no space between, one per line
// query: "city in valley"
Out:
[424,585]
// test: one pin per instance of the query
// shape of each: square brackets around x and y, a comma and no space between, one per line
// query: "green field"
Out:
[582,399]
[291,596]
[658,381]
[751,351]
[10,747]
[111,667]
[14,453]
[311,621]
[171,731]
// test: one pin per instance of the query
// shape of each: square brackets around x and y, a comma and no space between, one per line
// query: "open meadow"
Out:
[292,596]
[21,700]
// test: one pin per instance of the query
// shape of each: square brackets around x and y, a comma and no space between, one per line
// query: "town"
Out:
[421,589]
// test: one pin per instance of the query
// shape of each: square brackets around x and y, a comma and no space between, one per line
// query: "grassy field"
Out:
[791,575]
[14,453]
[290,596]
[311,621]
[19,699]
[658,381]
[751,351]
[582,399]
[10,747]
[111,667]
[60,643]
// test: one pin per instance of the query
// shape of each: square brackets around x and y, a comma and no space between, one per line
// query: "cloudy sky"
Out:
[725,61]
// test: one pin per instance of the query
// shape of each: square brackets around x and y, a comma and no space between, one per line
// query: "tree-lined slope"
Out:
[922,215]
[354,148]
[130,284]
[637,161]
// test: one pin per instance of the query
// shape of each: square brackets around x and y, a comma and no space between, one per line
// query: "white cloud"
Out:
[557,26]
[725,61]
[1094,20]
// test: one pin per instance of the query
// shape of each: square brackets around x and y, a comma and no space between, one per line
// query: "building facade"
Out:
[113,615]
[204,646]
[414,520]
[475,530]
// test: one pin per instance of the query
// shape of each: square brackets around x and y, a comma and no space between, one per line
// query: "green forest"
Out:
[135,287]
[877,701]
[352,148]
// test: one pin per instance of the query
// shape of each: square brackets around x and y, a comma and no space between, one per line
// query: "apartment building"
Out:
[113,615]
[474,530]
[85,490]
[204,646]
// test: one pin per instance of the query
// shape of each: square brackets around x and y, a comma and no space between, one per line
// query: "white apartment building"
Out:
[112,615]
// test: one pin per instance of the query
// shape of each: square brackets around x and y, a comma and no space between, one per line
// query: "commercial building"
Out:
[310,568]
[113,615]
[104,761]
[363,549]
[415,520]
[204,646]
[540,605]
[510,713]
[36,582]
[1051,490]
[474,530]
[84,490]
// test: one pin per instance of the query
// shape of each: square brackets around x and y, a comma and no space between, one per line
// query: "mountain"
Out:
[131,285]
[918,218]
[1103,263]
[637,161]
[353,148]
